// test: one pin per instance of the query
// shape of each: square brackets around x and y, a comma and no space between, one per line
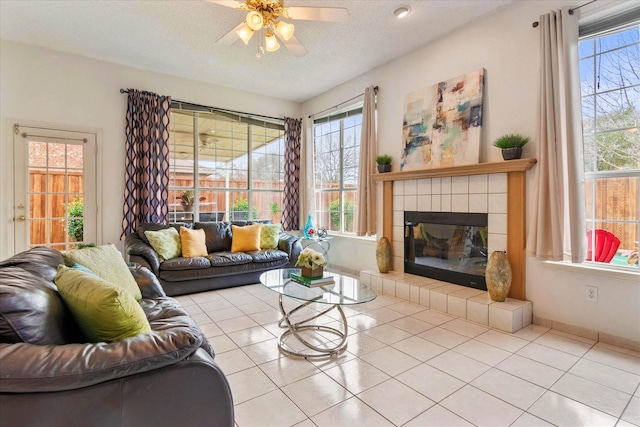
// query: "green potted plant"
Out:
[511,145]
[384,163]
[187,199]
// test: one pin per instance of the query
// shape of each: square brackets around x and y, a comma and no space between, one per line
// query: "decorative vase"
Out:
[312,273]
[384,168]
[498,276]
[187,207]
[309,228]
[512,153]
[384,255]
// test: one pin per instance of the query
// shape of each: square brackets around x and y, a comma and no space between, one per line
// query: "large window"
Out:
[610,85]
[225,167]
[337,158]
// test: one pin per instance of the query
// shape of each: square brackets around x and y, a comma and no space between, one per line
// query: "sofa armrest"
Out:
[135,247]
[292,246]
[148,283]
[43,368]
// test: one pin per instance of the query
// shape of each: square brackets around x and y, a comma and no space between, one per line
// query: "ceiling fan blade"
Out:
[294,45]
[228,3]
[333,14]
[231,37]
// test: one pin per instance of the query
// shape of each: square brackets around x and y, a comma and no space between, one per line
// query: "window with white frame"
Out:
[610,86]
[224,166]
[336,144]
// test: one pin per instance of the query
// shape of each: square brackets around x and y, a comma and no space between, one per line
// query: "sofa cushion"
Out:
[220,259]
[217,235]
[181,263]
[32,311]
[165,242]
[104,311]
[268,255]
[107,262]
[246,238]
[269,236]
[193,243]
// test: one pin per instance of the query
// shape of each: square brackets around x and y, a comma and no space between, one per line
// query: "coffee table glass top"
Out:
[345,291]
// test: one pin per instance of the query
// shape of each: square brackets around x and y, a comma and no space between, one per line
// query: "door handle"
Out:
[21,218]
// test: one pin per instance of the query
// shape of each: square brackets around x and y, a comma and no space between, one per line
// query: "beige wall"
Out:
[45,86]
[506,46]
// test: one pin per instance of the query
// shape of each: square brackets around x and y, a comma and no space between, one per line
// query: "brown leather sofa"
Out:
[220,269]
[50,376]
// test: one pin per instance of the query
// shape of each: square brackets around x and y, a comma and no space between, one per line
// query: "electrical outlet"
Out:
[592,293]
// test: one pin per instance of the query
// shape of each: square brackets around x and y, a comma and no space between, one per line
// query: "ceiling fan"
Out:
[265,15]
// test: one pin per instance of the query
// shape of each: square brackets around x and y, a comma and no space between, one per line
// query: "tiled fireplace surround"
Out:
[490,188]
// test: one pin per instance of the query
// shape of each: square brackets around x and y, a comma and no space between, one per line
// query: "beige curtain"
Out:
[366,215]
[307,186]
[558,229]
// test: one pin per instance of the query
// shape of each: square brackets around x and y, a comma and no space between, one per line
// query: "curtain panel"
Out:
[366,215]
[146,191]
[558,226]
[291,203]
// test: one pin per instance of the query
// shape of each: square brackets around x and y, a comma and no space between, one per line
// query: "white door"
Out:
[55,203]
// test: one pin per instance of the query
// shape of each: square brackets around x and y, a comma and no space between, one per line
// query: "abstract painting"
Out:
[442,123]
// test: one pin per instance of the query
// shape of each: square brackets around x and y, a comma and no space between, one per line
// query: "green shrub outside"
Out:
[242,205]
[75,223]
[349,213]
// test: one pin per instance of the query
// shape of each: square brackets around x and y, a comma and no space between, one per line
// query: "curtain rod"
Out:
[375,90]
[536,23]
[224,110]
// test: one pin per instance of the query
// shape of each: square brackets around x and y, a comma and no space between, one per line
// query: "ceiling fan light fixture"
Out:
[270,42]
[245,33]
[402,12]
[255,21]
[285,30]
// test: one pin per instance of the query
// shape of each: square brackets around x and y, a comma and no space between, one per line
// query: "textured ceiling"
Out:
[178,38]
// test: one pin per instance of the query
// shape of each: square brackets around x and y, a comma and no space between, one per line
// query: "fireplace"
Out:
[447,246]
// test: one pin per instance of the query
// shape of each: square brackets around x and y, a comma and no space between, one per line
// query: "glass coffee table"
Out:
[345,291]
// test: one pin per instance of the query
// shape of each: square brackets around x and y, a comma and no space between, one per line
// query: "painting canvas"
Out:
[442,123]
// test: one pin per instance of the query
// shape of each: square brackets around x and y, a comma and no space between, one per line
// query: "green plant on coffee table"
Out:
[311,259]
[512,140]
[384,159]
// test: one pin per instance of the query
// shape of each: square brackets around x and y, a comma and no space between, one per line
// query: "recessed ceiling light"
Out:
[402,11]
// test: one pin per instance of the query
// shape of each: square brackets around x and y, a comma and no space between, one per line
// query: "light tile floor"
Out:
[410,366]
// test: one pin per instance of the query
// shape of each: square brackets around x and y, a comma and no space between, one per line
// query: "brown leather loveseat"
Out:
[51,376]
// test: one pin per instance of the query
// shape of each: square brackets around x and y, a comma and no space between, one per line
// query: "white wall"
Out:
[506,46]
[45,86]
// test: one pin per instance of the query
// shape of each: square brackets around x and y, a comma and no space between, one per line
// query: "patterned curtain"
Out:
[146,190]
[291,203]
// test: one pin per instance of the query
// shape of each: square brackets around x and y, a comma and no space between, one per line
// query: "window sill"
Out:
[610,272]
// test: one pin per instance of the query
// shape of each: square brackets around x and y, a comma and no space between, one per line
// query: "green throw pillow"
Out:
[269,236]
[165,242]
[107,262]
[103,311]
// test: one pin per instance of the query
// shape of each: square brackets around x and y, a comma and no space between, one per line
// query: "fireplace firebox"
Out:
[447,246]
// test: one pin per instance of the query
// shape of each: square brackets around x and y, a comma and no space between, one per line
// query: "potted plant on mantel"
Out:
[384,163]
[511,145]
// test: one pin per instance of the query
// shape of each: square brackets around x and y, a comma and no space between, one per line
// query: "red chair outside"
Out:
[606,245]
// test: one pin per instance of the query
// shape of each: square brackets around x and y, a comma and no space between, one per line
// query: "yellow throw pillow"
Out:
[193,242]
[245,239]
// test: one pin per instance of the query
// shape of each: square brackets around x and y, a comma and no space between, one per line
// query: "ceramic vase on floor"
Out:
[384,255]
[498,276]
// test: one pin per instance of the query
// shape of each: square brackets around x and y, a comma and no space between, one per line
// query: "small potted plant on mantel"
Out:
[511,145]
[384,163]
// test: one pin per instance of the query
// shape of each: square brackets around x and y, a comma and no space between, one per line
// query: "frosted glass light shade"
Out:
[254,20]
[245,33]
[285,30]
[270,42]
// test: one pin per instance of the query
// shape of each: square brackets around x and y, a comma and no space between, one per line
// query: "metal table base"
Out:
[293,330]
